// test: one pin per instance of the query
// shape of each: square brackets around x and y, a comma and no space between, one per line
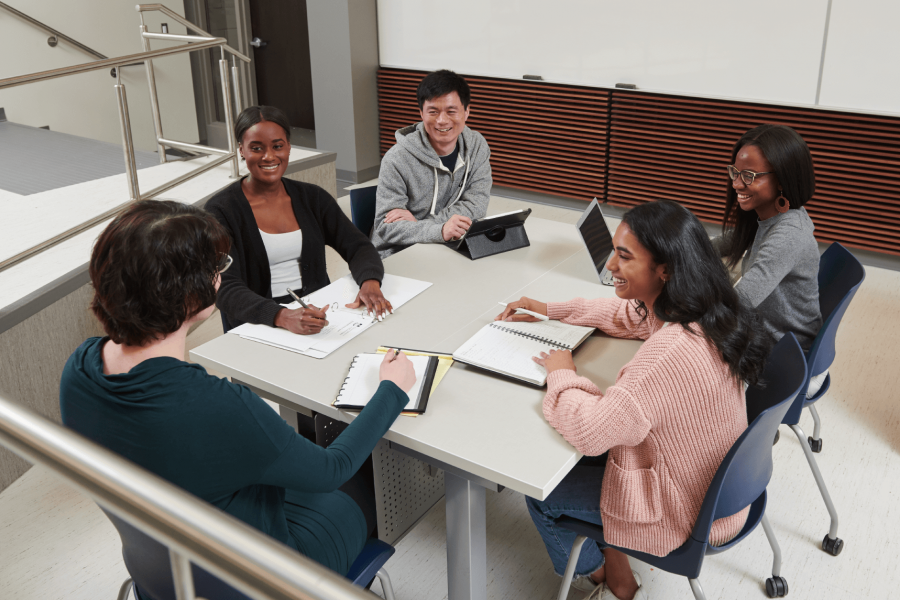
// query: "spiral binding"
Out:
[341,391]
[529,336]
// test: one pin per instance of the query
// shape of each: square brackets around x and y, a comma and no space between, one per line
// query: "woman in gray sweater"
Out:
[767,230]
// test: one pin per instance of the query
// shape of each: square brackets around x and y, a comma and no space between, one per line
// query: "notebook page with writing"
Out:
[497,350]
[562,334]
[363,380]
[398,291]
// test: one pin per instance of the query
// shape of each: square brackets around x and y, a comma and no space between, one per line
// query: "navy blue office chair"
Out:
[148,564]
[362,208]
[840,276]
[740,481]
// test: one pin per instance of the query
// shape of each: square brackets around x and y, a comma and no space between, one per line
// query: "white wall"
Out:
[766,51]
[85,104]
[862,59]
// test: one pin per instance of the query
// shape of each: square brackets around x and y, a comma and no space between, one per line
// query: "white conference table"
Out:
[482,429]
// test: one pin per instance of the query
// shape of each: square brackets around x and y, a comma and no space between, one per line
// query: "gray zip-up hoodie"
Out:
[412,177]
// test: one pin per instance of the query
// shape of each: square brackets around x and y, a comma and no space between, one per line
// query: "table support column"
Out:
[466,539]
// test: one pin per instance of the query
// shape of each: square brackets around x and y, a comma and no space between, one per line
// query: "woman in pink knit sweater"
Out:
[663,428]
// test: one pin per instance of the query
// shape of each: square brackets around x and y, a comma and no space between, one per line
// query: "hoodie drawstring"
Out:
[458,196]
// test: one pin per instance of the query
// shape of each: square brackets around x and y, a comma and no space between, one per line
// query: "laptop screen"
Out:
[596,237]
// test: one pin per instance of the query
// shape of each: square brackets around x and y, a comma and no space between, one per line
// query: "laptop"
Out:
[597,239]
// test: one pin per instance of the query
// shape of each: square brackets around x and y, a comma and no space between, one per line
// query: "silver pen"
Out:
[294,295]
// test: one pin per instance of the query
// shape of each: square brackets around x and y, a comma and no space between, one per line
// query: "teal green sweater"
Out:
[223,443]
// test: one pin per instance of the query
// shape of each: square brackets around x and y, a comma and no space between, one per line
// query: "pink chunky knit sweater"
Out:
[668,421]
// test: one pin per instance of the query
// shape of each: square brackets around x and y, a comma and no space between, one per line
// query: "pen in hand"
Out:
[294,295]
[523,311]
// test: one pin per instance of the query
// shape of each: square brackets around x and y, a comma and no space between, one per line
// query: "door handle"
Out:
[258,43]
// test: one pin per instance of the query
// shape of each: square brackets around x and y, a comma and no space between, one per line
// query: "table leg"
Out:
[466,539]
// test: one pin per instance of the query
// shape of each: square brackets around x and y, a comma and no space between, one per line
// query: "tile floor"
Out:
[55,544]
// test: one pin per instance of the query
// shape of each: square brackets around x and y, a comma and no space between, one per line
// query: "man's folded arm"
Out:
[392,193]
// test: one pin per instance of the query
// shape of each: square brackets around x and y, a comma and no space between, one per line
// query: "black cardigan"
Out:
[245,295]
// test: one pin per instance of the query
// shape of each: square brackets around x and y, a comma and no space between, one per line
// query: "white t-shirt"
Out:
[284,251]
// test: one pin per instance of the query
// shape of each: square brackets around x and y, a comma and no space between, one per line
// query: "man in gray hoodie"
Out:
[437,178]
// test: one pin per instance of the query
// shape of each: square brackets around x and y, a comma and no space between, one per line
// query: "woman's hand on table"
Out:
[556,360]
[509,313]
[371,297]
[303,321]
[398,368]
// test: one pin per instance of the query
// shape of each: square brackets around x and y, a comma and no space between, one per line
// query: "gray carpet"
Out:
[34,160]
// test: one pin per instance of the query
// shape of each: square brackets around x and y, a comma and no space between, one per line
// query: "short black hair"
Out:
[252,115]
[440,83]
[792,162]
[153,268]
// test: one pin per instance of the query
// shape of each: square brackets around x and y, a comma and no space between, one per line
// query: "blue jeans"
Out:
[577,495]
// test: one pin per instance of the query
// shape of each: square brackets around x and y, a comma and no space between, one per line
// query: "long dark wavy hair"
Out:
[699,289]
[789,156]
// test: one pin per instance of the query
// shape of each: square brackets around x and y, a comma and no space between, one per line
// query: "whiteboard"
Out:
[765,50]
[862,60]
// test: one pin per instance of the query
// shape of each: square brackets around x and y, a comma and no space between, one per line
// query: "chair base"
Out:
[832,546]
[125,590]
[836,544]
[776,587]
[814,445]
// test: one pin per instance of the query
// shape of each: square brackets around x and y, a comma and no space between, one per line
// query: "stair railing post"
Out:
[229,114]
[154,98]
[127,142]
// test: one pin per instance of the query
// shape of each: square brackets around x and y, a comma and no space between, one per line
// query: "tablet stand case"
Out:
[500,238]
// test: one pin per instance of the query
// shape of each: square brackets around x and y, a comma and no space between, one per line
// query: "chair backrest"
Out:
[148,564]
[840,275]
[745,472]
[362,208]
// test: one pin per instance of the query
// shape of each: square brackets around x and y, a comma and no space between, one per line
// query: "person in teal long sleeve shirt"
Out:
[132,393]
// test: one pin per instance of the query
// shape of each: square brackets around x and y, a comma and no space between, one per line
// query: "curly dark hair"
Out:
[698,290]
[153,268]
[441,83]
[792,162]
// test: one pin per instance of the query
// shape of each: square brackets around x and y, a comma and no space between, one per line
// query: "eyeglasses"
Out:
[746,176]
[224,263]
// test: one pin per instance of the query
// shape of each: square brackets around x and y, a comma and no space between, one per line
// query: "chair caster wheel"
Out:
[776,587]
[777,437]
[816,445]
[832,546]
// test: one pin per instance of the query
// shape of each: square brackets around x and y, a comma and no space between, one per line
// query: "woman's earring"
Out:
[782,204]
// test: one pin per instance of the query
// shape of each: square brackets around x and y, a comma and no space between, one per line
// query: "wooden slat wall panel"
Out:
[544,137]
[856,156]
[581,142]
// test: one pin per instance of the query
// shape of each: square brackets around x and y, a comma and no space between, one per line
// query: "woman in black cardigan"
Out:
[267,202]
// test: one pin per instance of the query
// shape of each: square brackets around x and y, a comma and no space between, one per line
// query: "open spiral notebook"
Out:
[507,348]
[363,379]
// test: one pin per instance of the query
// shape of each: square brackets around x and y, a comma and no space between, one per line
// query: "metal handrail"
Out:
[51,31]
[142,8]
[240,555]
[107,63]
[194,43]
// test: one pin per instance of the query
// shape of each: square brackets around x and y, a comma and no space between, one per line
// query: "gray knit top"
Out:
[780,276]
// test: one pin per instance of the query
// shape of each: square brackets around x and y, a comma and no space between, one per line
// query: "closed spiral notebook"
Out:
[363,379]
[507,348]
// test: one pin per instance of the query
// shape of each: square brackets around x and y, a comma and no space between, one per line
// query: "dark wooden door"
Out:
[283,77]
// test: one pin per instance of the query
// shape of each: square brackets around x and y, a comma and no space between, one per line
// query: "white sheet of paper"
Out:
[511,354]
[344,324]
[398,290]
[364,379]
